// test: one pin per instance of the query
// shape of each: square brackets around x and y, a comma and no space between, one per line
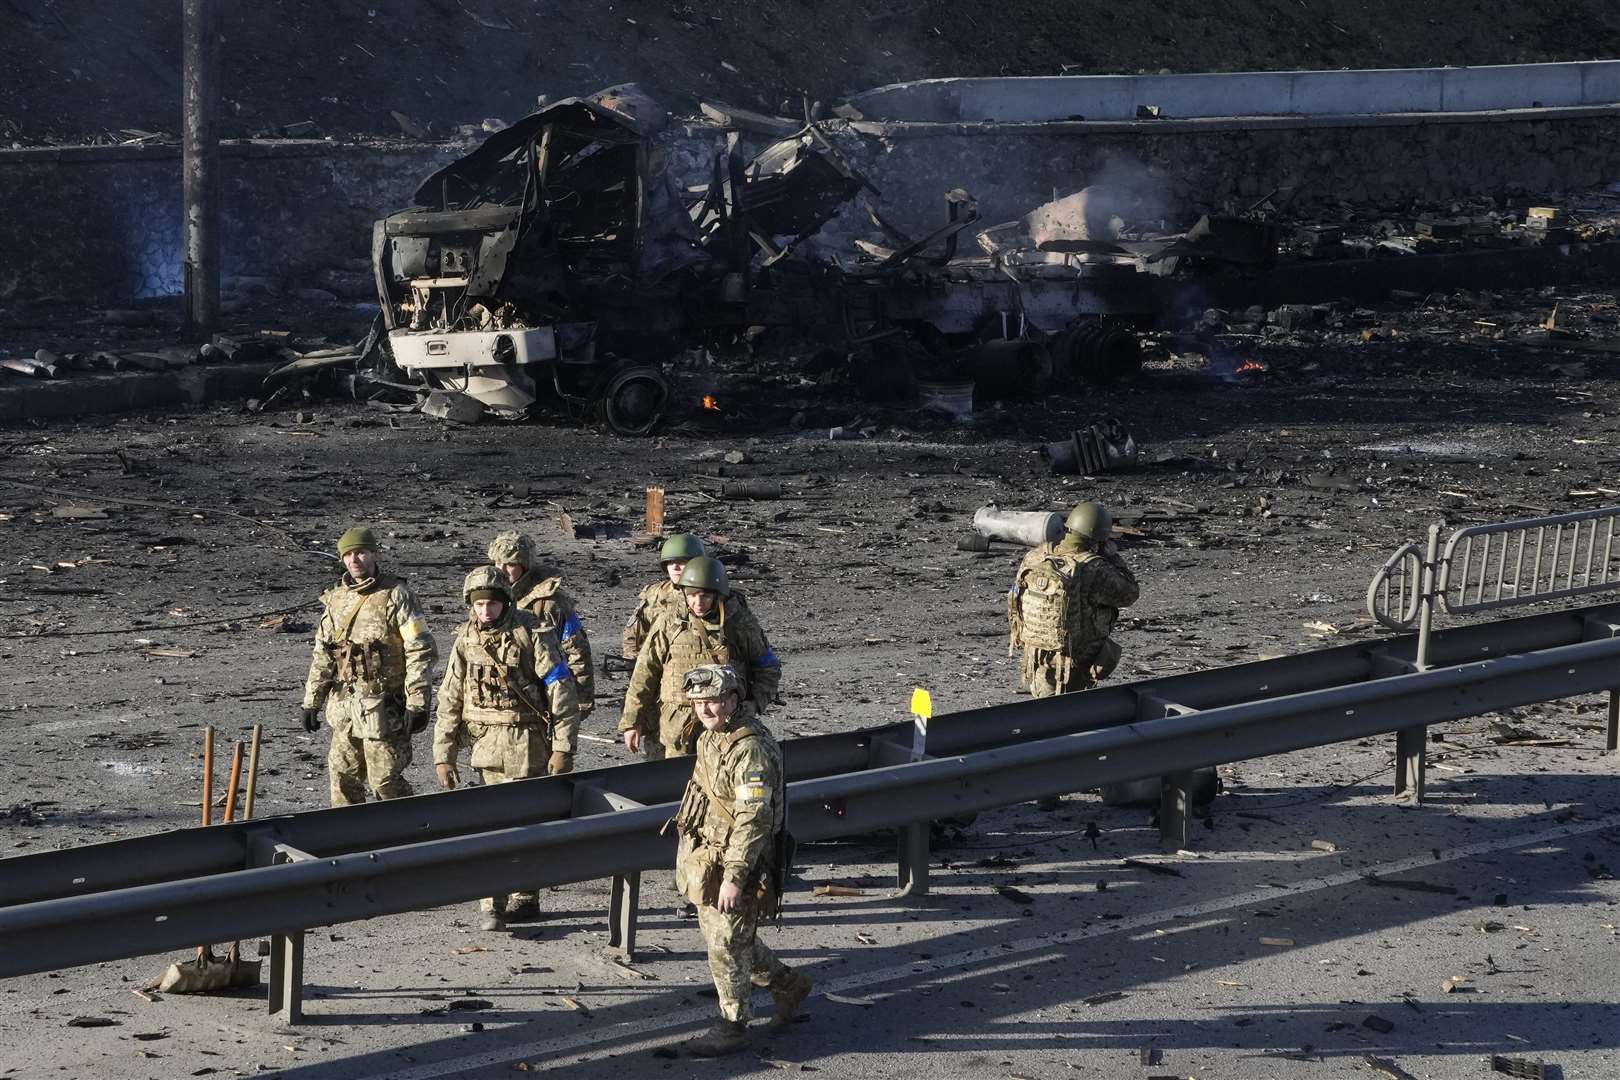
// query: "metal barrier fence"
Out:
[1547,563]
[1552,558]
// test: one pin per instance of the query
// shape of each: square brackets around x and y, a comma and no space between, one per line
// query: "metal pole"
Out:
[200,166]
[1410,749]
[1611,742]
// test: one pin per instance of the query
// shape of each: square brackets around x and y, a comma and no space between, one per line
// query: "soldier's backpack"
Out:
[1043,604]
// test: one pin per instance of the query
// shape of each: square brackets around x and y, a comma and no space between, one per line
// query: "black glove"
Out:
[418,719]
[312,719]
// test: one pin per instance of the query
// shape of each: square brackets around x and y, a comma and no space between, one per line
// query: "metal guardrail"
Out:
[281,876]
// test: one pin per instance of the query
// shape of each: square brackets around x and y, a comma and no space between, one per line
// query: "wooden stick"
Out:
[236,778]
[253,774]
[208,775]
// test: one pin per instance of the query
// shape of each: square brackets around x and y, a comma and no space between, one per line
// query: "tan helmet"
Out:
[707,573]
[513,547]
[358,538]
[1090,520]
[486,583]
[708,681]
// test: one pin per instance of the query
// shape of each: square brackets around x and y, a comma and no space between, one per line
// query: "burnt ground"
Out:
[80,71]
[1265,503]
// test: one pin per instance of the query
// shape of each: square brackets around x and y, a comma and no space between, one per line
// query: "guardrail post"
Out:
[1612,741]
[912,839]
[285,996]
[1411,744]
[624,891]
[1175,810]
[287,976]
[623,902]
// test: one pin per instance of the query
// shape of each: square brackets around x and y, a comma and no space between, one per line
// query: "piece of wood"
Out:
[236,778]
[253,773]
[208,775]
[655,511]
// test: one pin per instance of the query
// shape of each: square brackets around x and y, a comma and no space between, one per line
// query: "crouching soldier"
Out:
[369,668]
[730,860]
[508,694]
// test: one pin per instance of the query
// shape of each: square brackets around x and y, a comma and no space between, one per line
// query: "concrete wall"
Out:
[1256,93]
[104,222]
[1182,169]
[102,225]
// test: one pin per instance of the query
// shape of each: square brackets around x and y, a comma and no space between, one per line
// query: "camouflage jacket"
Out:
[540,592]
[655,703]
[372,657]
[734,806]
[511,674]
[1098,586]
[654,601]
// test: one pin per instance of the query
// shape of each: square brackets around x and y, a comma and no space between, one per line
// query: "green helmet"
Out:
[706,573]
[358,538]
[1090,520]
[512,546]
[680,546]
[707,681]
[486,583]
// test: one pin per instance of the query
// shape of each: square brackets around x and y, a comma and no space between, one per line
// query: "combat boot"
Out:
[788,999]
[724,1037]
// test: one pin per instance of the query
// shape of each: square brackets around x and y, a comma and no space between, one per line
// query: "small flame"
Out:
[1249,367]
[710,403]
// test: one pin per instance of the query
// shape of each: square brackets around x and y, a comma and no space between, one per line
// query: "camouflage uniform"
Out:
[508,694]
[655,703]
[540,593]
[730,817]
[370,666]
[1098,585]
[656,600]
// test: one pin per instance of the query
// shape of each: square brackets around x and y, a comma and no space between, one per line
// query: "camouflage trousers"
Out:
[502,754]
[1050,680]
[1048,673]
[357,767]
[737,960]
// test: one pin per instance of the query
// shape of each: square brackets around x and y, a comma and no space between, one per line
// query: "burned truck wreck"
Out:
[563,262]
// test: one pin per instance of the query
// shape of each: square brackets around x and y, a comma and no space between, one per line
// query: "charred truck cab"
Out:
[496,283]
[560,262]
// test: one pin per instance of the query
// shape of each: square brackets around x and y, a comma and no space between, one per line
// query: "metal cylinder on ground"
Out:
[1028,527]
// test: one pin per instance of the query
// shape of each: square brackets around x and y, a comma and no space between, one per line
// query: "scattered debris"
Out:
[1278,942]
[849,999]
[1377,1023]
[1387,1067]
[1414,886]
[1523,1068]
[1152,867]
[838,890]
[1103,447]
[1104,998]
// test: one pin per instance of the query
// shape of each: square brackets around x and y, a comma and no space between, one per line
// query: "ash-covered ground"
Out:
[160,575]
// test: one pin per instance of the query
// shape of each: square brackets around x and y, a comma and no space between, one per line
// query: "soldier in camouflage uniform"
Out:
[731,823]
[662,595]
[369,667]
[508,694]
[1063,605]
[712,627]
[538,590]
